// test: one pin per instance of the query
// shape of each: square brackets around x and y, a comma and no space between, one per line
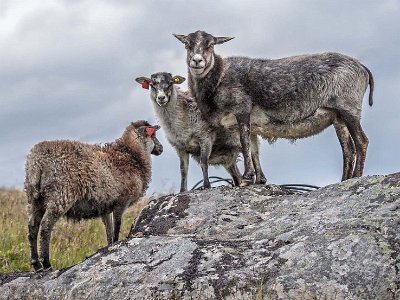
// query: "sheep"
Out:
[292,97]
[189,133]
[82,181]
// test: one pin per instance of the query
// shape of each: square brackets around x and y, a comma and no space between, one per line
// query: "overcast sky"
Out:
[67,71]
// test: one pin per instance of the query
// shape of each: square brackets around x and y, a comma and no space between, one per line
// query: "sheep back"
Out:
[84,180]
[292,88]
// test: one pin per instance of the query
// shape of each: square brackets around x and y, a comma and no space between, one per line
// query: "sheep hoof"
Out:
[49,269]
[262,180]
[204,187]
[246,182]
[46,266]
[37,266]
[247,179]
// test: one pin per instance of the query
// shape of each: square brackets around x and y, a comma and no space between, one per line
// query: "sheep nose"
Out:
[161,98]
[197,60]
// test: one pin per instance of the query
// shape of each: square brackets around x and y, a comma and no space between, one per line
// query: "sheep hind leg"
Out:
[33,229]
[244,131]
[348,148]
[360,141]
[46,226]
[109,226]
[255,155]
[234,171]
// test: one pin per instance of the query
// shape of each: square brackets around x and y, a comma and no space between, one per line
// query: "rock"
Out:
[258,242]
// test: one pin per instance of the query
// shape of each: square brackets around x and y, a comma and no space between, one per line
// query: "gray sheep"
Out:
[83,181]
[291,97]
[189,133]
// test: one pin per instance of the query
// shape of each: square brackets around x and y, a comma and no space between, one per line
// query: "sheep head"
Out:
[200,51]
[161,86]
[146,134]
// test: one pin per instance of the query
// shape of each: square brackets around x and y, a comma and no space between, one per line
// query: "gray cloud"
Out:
[67,70]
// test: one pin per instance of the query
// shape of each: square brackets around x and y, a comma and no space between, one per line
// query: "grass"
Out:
[71,242]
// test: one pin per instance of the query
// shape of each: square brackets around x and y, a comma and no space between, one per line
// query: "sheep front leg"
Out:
[117,215]
[205,152]
[244,131]
[184,166]
[108,224]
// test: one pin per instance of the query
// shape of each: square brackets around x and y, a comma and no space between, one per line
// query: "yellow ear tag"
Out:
[177,80]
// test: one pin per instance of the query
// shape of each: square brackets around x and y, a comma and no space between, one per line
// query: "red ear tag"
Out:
[150,131]
[145,84]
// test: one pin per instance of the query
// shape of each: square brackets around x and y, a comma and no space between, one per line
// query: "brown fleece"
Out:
[82,181]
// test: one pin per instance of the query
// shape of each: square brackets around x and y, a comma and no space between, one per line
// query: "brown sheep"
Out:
[83,181]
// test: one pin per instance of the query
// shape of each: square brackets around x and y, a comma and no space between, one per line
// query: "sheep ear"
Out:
[140,80]
[178,79]
[150,131]
[221,40]
[181,37]
[144,81]
[147,130]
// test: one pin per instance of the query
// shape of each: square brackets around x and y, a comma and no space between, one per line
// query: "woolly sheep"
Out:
[83,181]
[292,97]
[189,133]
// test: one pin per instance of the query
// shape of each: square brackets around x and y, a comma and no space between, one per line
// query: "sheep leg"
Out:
[108,224]
[46,226]
[348,148]
[255,155]
[244,131]
[184,165]
[234,171]
[117,215]
[205,151]
[360,141]
[33,229]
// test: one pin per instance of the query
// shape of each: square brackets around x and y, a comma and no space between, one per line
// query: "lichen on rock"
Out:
[339,242]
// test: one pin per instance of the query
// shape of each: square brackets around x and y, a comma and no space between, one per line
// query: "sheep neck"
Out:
[204,88]
[170,112]
[134,159]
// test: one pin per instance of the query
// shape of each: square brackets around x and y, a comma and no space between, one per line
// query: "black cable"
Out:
[218,179]
[314,187]
[298,187]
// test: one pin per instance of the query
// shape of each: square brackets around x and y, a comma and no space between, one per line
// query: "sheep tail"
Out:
[371,86]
